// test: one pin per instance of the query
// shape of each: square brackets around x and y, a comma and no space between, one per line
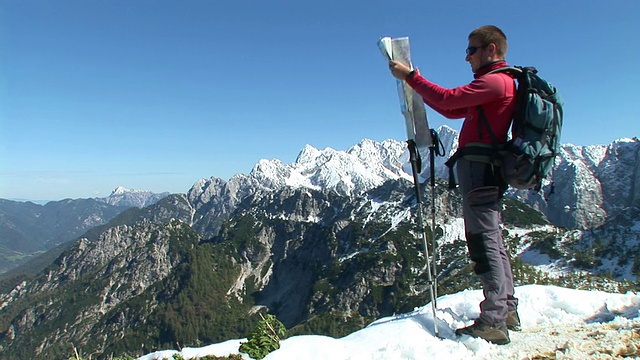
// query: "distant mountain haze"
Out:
[28,229]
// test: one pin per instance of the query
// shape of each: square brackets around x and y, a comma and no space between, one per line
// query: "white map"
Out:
[411,103]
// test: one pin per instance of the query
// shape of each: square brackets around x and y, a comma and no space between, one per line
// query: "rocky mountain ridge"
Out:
[591,183]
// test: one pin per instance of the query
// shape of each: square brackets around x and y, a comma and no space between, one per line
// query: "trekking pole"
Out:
[415,169]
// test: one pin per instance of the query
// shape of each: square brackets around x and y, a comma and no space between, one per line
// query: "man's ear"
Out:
[493,52]
[493,49]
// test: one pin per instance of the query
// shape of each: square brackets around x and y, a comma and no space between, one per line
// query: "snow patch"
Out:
[557,323]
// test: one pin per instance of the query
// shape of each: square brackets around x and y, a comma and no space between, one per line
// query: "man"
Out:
[491,95]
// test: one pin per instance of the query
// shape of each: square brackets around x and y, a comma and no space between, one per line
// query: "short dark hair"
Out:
[491,34]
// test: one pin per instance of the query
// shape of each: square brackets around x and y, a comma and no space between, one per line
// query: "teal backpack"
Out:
[529,156]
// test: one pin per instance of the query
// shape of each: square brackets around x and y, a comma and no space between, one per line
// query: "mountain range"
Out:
[327,244]
[591,184]
[28,230]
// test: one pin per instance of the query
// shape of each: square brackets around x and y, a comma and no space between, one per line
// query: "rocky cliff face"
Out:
[67,303]
[592,185]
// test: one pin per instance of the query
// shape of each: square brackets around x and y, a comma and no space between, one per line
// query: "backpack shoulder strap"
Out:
[514,71]
[484,121]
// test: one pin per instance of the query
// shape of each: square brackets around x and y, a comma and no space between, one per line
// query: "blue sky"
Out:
[157,94]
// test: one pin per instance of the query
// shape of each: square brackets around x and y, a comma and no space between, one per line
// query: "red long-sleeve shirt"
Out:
[494,92]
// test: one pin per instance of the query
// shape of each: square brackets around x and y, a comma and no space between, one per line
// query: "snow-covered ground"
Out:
[557,323]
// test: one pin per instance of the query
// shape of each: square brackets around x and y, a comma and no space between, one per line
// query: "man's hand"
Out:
[399,70]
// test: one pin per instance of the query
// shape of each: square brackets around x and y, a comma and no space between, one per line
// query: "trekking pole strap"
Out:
[414,155]
[450,164]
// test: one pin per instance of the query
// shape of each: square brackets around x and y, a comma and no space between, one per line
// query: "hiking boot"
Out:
[513,320]
[497,335]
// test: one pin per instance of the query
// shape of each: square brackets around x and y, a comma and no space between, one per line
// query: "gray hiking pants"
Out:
[481,194]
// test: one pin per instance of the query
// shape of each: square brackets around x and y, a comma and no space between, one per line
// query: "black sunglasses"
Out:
[472,49]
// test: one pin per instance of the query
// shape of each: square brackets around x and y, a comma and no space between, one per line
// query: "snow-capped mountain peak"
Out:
[592,183]
[362,167]
[121,190]
[122,196]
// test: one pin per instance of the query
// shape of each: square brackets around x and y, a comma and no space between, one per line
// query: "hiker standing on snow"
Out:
[480,182]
